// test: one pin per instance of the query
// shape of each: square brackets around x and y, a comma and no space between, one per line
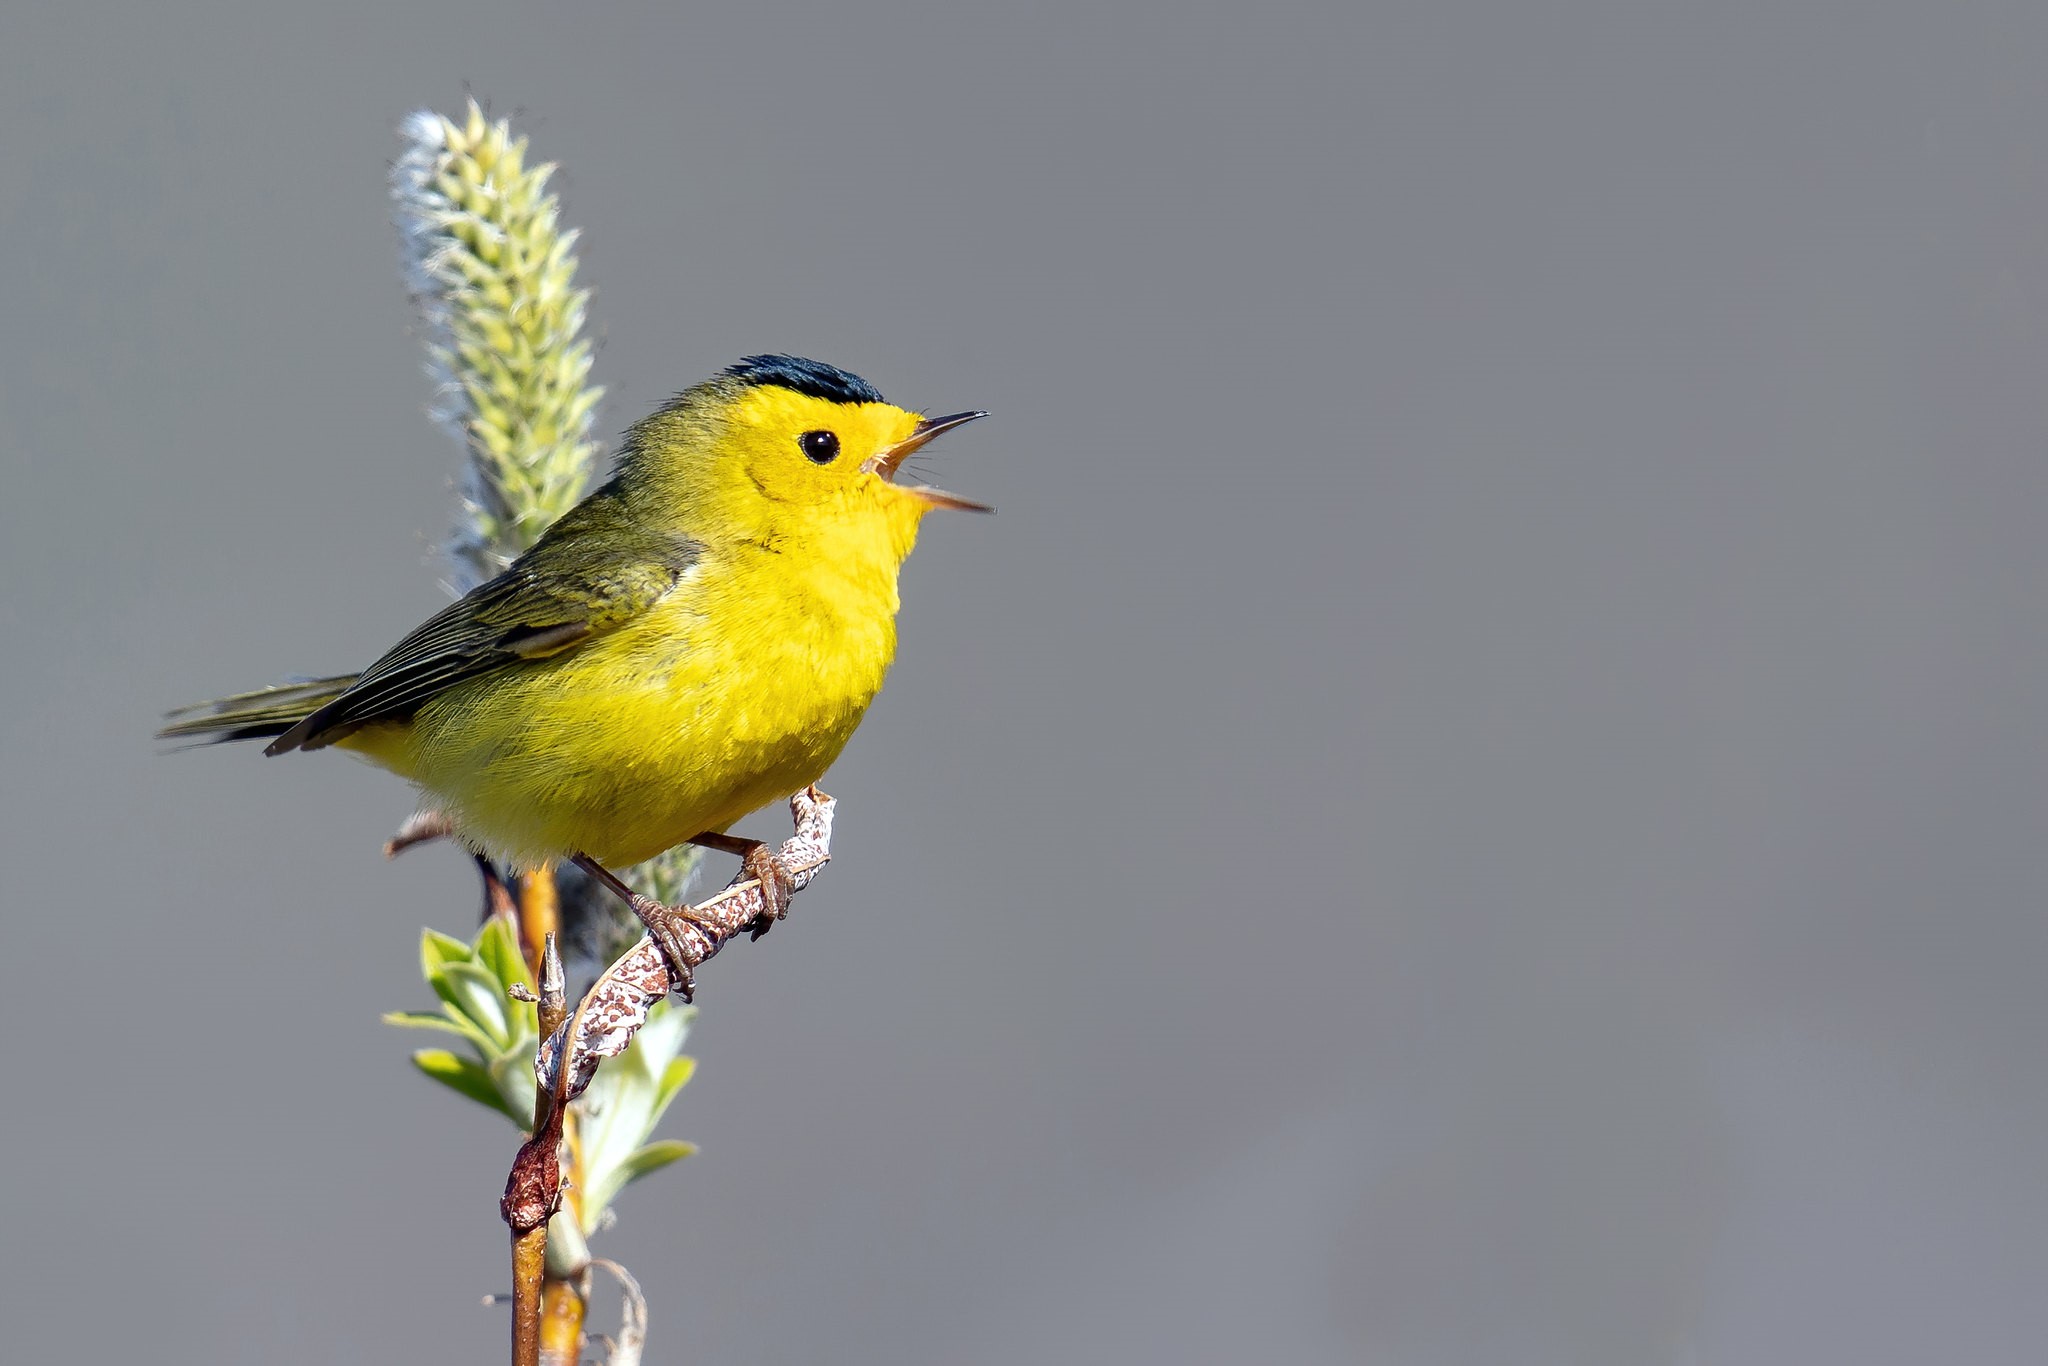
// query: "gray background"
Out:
[1480,802]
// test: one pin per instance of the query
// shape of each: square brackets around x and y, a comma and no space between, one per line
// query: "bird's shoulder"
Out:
[599,567]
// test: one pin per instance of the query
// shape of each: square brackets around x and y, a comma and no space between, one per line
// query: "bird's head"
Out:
[778,449]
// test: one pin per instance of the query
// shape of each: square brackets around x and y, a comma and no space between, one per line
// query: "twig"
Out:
[421,827]
[601,1026]
[534,1188]
[616,1005]
[625,1349]
[562,1298]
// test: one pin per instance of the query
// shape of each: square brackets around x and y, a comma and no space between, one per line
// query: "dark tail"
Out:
[253,715]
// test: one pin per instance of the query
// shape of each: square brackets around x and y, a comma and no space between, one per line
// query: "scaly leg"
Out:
[777,887]
[664,924]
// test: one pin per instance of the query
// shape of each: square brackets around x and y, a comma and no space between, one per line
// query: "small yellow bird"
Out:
[695,639]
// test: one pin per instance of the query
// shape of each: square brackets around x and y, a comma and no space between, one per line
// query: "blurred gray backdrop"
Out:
[1480,803]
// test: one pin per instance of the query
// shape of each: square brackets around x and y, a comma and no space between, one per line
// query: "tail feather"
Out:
[253,715]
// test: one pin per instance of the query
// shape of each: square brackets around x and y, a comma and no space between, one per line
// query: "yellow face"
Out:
[787,453]
[802,467]
[813,452]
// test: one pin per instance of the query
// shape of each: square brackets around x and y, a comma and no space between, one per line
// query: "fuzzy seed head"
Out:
[493,273]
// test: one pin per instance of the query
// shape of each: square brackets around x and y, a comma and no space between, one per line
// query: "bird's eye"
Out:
[821,447]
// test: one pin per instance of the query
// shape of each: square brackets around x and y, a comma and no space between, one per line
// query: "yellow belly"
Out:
[714,704]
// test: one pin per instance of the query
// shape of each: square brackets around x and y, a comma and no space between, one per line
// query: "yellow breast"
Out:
[736,690]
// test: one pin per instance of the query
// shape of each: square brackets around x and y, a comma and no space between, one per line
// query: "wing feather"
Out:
[550,601]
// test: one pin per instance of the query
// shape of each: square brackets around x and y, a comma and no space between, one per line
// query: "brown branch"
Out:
[616,1005]
[533,1190]
[546,1325]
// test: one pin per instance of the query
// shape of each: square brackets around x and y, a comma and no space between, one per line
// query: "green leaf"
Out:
[426,1019]
[625,1099]
[466,1076]
[437,949]
[568,1249]
[638,1163]
[511,1077]
[655,1156]
[673,1079]
[475,994]
[497,948]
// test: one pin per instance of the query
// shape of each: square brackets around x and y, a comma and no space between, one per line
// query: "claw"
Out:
[664,925]
[777,887]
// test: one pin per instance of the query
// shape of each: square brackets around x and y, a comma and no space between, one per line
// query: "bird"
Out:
[698,637]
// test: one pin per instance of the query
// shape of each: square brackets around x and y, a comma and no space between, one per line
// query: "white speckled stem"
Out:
[615,1007]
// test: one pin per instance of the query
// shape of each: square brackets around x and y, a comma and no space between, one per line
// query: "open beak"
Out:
[886,462]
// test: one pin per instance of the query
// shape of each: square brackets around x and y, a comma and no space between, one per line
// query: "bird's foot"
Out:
[777,887]
[760,863]
[678,931]
[667,926]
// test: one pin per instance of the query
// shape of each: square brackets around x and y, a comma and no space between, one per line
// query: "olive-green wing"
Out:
[552,600]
